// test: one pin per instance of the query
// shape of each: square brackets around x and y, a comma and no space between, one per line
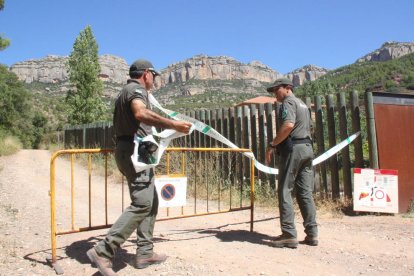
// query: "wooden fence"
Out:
[255,126]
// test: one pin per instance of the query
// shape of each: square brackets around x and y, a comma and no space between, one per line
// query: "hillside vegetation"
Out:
[211,94]
[393,76]
[18,116]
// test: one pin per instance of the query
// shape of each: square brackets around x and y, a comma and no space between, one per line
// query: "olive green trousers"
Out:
[140,215]
[296,172]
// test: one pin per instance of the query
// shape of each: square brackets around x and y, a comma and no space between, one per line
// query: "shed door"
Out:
[395,135]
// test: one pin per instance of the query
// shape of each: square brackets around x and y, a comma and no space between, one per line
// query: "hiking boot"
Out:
[103,264]
[143,262]
[312,241]
[283,241]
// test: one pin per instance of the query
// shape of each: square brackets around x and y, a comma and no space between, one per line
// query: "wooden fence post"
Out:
[343,131]
[202,136]
[246,141]
[239,158]
[226,155]
[253,130]
[208,122]
[232,138]
[270,120]
[333,161]
[356,126]
[319,135]
[213,121]
[192,139]
[372,133]
[262,140]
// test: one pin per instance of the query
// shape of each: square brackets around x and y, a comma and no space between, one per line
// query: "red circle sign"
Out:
[379,194]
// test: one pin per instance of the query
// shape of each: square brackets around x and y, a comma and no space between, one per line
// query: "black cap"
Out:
[279,82]
[142,65]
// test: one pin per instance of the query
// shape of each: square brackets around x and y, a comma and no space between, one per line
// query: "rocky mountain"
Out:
[202,74]
[52,69]
[306,73]
[198,75]
[389,50]
[202,67]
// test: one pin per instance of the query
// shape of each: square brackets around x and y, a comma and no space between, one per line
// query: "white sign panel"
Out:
[171,191]
[376,190]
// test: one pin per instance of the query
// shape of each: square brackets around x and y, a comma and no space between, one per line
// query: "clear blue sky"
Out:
[284,35]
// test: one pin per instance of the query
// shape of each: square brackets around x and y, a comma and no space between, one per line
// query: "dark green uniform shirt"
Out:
[295,111]
[124,121]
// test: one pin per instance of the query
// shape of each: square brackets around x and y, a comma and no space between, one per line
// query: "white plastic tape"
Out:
[165,138]
[167,135]
[209,131]
[334,149]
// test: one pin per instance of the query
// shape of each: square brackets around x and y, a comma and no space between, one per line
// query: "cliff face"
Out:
[202,67]
[113,69]
[52,69]
[389,50]
[306,73]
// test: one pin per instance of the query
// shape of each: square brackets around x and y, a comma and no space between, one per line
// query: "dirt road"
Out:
[209,245]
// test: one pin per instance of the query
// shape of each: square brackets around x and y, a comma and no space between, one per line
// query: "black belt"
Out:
[305,140]
[125,138]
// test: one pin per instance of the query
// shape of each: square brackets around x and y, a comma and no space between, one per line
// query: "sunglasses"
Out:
[153,73]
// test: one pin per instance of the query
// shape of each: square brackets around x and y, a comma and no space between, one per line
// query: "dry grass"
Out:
[410,211]
[9,145]
[333,208]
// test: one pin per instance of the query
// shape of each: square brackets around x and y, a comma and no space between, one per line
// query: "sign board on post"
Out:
[171,191]
[376,190]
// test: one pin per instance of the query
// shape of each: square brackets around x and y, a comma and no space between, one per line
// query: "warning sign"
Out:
[376,190]
[171,191]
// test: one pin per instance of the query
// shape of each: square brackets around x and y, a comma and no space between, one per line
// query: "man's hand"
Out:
[149,117]
[182,126]
[269,153]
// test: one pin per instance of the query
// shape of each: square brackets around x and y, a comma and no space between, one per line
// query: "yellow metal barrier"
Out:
[105,153]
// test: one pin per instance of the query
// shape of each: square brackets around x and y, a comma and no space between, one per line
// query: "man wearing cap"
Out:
[294,145]
[132,115]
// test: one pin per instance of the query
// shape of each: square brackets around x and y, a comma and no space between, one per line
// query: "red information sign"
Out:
[376,190]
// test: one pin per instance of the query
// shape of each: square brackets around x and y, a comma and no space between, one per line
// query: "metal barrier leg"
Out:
[53,261]
[58,269]
[251,195]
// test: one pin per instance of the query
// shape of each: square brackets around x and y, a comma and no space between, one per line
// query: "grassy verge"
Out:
[9,145]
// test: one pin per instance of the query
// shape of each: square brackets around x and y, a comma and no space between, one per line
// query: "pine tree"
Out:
[85,98]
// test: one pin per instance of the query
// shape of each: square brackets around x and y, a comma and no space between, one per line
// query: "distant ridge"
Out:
[389,50]
[51,69]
